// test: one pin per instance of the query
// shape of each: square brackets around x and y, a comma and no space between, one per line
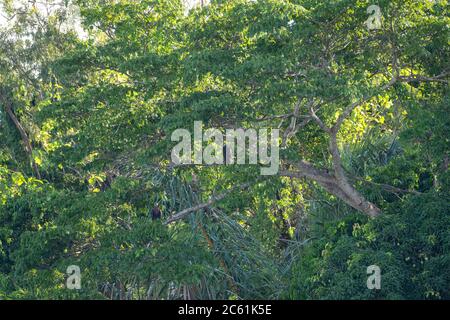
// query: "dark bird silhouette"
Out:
[156,213]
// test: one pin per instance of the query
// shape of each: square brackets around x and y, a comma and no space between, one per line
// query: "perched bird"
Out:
[156,213]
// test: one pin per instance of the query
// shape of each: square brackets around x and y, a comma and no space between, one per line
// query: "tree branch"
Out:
[386,187]
[347,111]
[421,78]
[180,215]
[318,120]
[25,138]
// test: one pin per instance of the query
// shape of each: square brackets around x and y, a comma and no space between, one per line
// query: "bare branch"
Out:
[180,215]
[318,120]
[278,116]
[293,127]
[289,131]
[306,170]
[421,78]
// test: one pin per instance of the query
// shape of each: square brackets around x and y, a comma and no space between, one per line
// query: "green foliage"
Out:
[410,244]
[99,111]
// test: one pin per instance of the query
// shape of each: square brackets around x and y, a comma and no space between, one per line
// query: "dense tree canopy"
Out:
[86,118]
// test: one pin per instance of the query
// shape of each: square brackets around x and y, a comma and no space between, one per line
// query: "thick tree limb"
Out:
[25,138]
[307,170]
[330,183]
[340,186]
